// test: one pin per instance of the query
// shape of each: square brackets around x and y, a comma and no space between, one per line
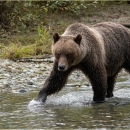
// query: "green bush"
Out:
[23,14]
[72,6]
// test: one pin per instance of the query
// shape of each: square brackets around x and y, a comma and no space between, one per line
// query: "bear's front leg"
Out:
[54,82]
[98,79]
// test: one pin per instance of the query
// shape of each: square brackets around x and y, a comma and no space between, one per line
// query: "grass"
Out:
[14,51]
[36,45]
[30,44]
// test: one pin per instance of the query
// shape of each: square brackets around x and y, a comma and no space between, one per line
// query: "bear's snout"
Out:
[62,63]
[61,67]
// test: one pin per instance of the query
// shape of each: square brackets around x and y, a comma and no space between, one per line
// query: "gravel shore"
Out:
[30,76]
[21,77]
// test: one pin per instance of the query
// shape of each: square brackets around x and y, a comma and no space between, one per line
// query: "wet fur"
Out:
[105,51]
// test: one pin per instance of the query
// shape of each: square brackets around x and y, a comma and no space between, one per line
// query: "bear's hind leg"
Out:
[110,87]
[98,79]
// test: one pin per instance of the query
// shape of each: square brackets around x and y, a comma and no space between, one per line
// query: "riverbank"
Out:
[21,77]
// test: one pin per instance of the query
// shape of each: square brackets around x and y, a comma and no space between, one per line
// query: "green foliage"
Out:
[14,51]
[73,6]
[40,46]
[43,39]
[103,2]
[27,13]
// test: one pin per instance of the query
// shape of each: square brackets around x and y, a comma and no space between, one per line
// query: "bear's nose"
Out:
[61,67]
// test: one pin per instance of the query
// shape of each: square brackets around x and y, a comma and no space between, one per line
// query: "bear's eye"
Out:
[69,55]
[58,55]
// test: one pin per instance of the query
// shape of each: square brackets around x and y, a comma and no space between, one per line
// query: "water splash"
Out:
[35,106]
[70,99]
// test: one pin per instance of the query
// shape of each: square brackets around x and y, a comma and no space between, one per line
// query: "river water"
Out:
[71,108]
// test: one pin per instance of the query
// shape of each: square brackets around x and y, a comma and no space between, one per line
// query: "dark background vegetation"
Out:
[28,13]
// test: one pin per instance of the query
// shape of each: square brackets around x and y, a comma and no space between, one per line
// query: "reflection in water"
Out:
[71,108]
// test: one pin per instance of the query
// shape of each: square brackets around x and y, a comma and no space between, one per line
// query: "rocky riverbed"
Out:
[20,77]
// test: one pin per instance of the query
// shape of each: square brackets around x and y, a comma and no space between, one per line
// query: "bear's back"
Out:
[75,29]
[116,38]
[113,33]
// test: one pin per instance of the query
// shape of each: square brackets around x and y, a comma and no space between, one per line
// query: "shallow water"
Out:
[70,108]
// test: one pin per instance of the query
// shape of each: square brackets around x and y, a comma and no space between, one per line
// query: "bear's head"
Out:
[67,50]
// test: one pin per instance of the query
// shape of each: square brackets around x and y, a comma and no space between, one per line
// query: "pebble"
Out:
[30,83]
[22,91]
[73,85]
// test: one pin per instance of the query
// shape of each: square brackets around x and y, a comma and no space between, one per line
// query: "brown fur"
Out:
[100,52]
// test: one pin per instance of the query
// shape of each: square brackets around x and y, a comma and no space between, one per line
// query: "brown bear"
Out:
[100,52]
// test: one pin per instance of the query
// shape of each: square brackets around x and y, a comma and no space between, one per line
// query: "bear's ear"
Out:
[78,39]
[56,37]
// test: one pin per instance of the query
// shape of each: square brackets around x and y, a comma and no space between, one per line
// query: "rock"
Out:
[22,91]
[34,86]
[1,86]
[6,75]
[37,66]
[6,85]
[73,85]
[25,70]
[45,60]
[30,83]
[8,69]
[86,84]
[51,59]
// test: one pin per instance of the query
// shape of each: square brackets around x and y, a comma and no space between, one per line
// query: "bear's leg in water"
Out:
[98,79]
[54,82]
[110,82]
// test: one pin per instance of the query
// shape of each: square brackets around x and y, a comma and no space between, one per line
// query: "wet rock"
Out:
[6,86]
[73,85]
[6,75]
[22,91]
[25,70]
[86,84]
[35,78]
[34,86]
[51,59]
[8,69]
[30,83]
[1,86]
[37,66]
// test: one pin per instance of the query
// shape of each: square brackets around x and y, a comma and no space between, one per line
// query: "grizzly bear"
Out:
[100,52]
